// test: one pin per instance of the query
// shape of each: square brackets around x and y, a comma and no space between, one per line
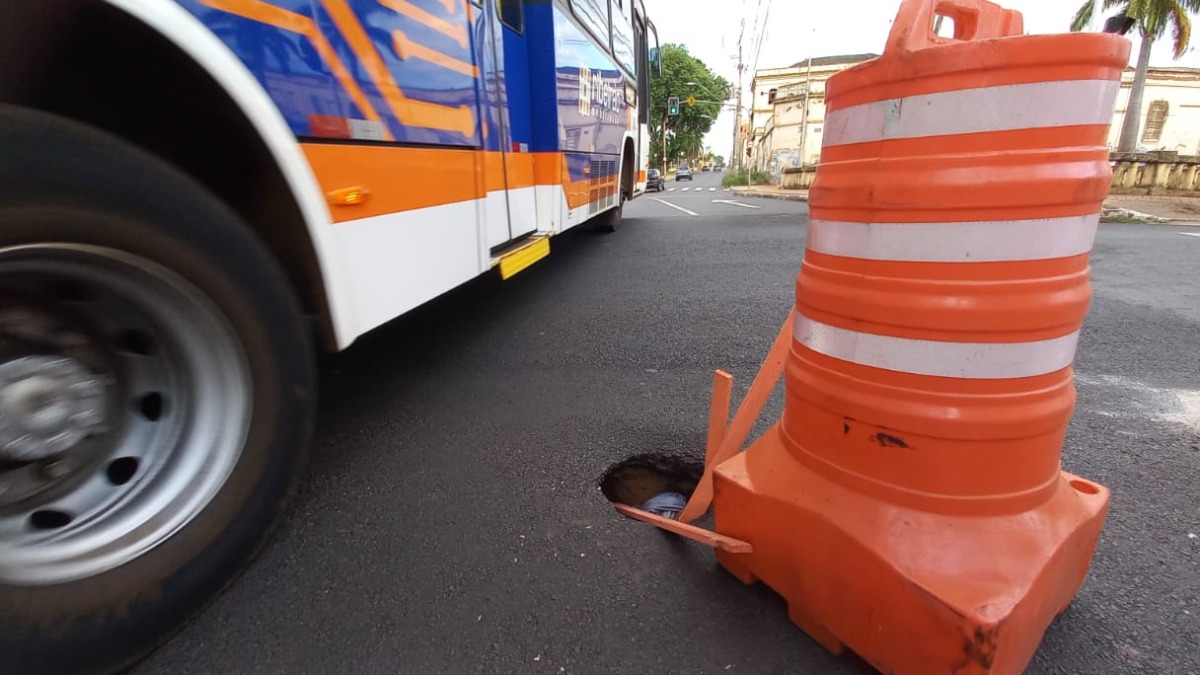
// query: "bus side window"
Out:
[510,14]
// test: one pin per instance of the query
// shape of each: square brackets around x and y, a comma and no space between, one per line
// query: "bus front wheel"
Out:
[156,391]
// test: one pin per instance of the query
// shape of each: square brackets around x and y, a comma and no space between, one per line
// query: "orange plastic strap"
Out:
[706,537]
[733,437]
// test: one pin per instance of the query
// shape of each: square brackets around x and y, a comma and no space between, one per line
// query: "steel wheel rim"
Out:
[181,402]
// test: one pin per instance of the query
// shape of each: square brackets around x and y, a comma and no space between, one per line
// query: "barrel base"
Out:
[909,591]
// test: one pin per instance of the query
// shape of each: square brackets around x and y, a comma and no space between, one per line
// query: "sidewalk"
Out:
[1171,209]
[770,192]
[1174,209]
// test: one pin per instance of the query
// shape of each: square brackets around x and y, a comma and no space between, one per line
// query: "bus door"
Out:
[510,56]
[642,46]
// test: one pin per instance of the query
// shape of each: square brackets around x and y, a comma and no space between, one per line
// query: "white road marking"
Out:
[1181,406]
[733,203]
[683,189]
[1190,234]
[680,208]
[712,189]
[670,189]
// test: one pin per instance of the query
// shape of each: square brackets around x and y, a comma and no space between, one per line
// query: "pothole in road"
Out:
[637,480]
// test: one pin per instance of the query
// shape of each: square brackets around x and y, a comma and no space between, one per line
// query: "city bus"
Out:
[198,195]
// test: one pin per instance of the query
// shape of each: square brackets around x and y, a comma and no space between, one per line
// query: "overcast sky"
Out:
[796,29]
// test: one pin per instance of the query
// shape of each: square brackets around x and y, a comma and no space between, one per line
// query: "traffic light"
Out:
[673,106]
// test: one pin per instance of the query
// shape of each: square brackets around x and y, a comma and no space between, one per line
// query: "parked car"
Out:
[654,181]
[683,173]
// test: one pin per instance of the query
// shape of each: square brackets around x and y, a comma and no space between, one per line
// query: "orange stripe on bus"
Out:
[458,32]
[517,170]
[406,49]
[578,193]
[408,111]
[399,179]
[549,168]
[256,10]
[450,5]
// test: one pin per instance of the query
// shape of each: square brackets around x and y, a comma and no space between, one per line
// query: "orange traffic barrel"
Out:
[910,504]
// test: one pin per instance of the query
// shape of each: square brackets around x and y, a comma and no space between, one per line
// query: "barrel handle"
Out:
[973,20]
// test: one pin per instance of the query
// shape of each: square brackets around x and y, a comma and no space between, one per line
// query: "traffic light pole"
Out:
[666,119]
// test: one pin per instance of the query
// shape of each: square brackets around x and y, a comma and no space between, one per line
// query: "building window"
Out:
[1156,119]
[771,95]
[510,14]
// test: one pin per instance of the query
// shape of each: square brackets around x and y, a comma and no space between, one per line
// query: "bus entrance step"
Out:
[517,259]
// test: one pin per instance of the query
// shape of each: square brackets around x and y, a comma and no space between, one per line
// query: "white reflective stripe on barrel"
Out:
[972,360]
[966,111]
[980,241]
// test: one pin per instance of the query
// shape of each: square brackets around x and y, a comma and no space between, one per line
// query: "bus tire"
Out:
[140,289]
[610,220]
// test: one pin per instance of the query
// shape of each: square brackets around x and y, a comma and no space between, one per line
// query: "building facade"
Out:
[1170,111]
[787,112]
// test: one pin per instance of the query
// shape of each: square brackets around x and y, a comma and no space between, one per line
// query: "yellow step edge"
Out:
[521,258]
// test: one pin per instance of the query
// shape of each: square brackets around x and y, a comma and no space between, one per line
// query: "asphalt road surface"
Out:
[450,522]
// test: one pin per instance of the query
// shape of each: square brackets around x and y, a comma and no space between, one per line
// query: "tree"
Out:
[1152,18]
[685,130]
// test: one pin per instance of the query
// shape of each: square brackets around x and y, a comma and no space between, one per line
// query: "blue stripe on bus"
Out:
[552,64]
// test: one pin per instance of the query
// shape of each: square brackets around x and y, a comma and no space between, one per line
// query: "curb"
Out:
[743,192]
[1116,220]
[1119,214]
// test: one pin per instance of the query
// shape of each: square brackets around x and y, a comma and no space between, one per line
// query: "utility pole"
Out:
[736,155]
[807,94]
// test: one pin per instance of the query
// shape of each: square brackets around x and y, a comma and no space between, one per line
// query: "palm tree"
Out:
[1152,17]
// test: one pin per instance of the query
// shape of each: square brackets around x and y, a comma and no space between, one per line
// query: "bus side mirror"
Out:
[655,62]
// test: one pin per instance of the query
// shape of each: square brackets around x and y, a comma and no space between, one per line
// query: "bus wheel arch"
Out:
[189,118]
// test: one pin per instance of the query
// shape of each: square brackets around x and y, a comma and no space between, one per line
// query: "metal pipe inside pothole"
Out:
[654,482]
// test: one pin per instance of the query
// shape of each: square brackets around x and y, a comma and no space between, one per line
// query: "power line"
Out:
[762,37]
[754,27]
